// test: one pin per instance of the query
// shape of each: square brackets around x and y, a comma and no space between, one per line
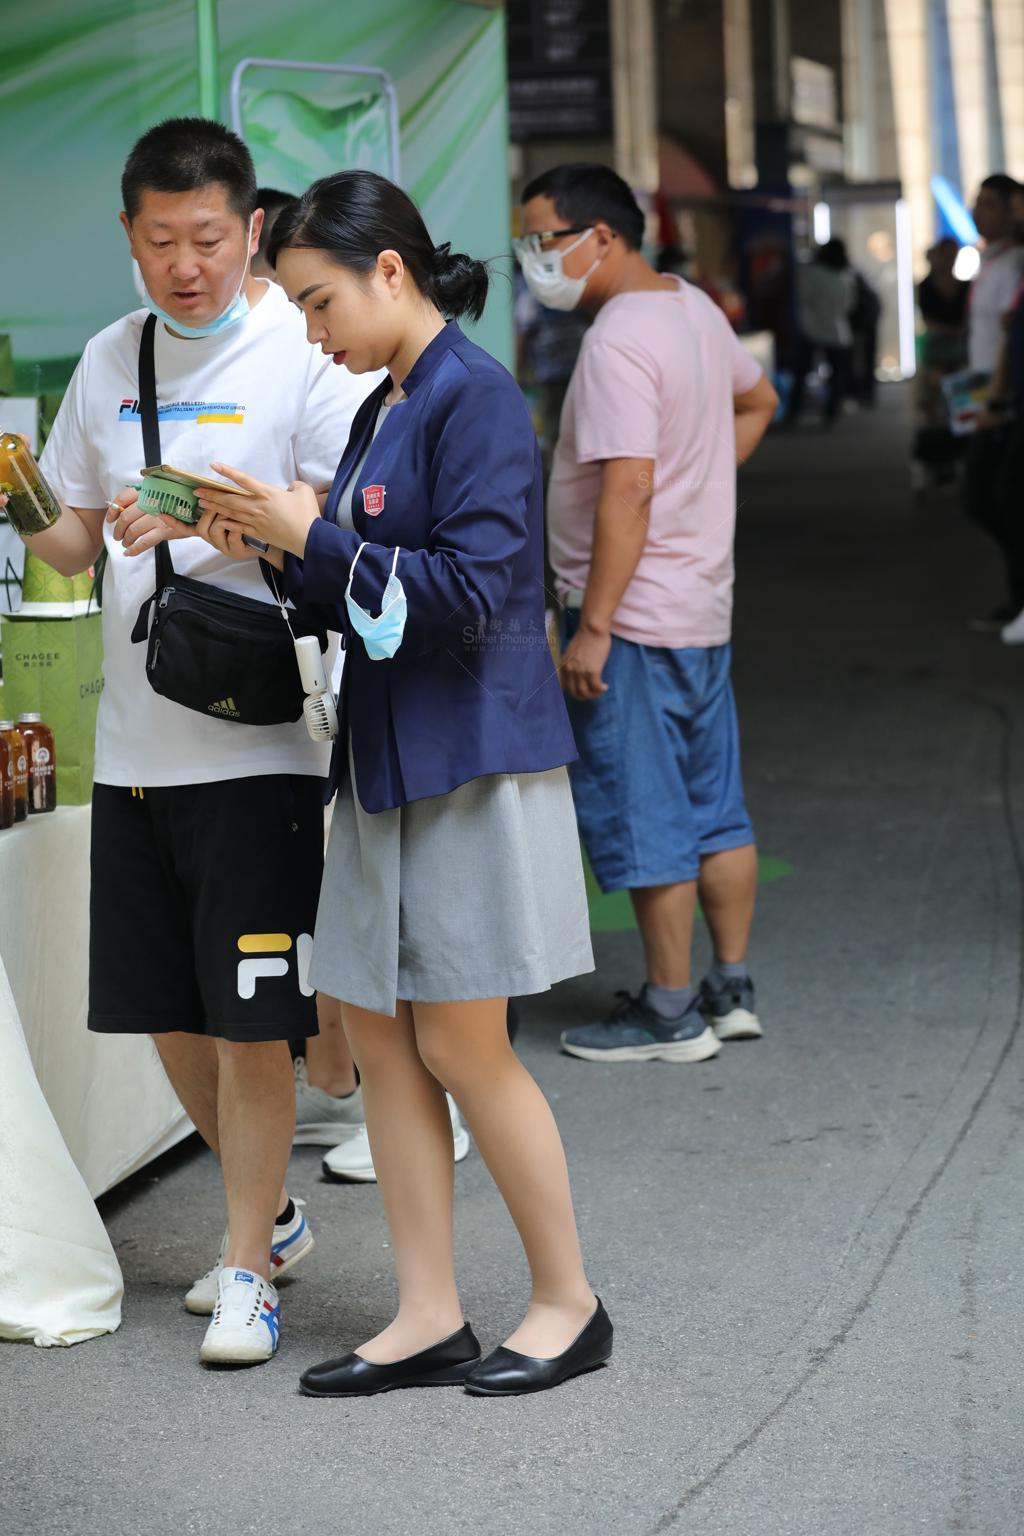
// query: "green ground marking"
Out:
[614,913]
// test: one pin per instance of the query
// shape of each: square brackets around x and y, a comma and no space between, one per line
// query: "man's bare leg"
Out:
[728,894]
[191,1064]
[329,1064]
[256,1120]
[664,915]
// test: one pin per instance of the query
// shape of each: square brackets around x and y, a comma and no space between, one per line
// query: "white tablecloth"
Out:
[108,1093]
[59,1280]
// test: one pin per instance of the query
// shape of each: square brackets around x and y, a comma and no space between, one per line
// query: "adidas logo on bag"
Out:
[224,707]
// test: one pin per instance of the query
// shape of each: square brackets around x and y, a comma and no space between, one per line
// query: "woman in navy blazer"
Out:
[453,874]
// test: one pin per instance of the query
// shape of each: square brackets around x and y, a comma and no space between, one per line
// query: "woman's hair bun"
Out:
[460,283]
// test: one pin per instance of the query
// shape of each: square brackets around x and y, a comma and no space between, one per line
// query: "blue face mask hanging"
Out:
[381,636]
[236,310]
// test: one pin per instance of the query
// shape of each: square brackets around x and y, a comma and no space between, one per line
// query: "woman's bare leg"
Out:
[466,1046]
[411,1139]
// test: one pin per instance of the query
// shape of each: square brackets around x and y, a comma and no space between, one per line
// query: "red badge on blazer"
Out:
[373,500]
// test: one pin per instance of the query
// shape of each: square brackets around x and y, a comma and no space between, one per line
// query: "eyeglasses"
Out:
[534,245]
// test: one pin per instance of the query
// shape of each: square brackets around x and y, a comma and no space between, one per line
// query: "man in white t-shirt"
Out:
[1002,262]
[641,514]
[991,298]
[207,835]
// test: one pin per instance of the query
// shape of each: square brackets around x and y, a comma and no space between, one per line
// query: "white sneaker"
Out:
[246,1322]
[292,1241]
[1013,633]
[321,1120]
[352,1161]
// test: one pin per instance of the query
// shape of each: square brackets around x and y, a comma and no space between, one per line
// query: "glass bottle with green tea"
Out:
[31,505]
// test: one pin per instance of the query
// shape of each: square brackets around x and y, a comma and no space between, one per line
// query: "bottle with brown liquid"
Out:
[31,505]
[19,765]
[42,764]
[6,784]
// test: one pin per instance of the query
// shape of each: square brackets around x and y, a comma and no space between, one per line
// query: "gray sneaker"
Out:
[730,1010]
[635,1032]
[320,1119]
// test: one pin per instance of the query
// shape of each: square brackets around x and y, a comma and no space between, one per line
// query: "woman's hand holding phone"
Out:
[281,518]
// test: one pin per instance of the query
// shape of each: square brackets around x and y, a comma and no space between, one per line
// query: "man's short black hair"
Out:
[1003,186]
[584,192]
[184,154]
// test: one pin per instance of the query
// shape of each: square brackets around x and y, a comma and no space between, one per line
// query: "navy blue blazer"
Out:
[454,479]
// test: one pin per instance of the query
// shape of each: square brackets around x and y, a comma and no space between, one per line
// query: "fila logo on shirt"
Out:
[373,499]
[202,412]
[266,954]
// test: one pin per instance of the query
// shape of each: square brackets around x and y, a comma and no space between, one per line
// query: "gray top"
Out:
[343,515]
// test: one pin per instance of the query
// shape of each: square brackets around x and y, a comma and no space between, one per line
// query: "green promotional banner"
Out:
[86,80]
[304,123]
[54,668]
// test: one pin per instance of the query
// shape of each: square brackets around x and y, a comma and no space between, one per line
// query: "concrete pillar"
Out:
[1008,16]
[966,20]
[635,93]
[907,24]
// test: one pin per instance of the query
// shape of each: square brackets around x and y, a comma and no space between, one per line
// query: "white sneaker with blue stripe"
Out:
[246,1321]
[292,1241]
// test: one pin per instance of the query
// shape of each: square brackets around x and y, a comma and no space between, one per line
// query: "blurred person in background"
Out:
[1005,414]
[864,318]
[993,292]
[825,297]
[942,301]
[1007,401]
[273,204]
[1002,262]
[1010,383]
[641,511]
[548,344]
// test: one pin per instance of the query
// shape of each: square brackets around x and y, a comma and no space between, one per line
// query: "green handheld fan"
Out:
[163,497]
[169,491]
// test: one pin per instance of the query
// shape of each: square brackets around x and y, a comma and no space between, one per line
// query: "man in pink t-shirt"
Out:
[641,514]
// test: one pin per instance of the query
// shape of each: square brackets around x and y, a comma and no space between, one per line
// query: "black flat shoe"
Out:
[506,1373]
[446,1364]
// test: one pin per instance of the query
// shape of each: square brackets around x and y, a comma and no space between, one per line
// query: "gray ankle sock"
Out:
[727,970]
[667,1002]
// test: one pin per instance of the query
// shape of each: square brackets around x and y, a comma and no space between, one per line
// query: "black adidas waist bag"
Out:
[216,652]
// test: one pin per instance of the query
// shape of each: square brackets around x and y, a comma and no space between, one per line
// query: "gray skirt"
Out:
[477,893]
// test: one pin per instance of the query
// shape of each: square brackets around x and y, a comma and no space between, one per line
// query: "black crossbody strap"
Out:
[151,429]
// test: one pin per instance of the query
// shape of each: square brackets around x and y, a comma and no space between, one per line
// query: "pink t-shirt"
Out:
[655,379]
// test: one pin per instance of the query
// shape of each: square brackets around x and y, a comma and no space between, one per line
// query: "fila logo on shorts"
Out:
[373,499]
[266,955]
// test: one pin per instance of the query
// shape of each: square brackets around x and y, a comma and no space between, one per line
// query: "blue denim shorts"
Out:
[657,785]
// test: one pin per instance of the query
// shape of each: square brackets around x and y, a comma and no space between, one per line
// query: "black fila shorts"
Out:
[203,905]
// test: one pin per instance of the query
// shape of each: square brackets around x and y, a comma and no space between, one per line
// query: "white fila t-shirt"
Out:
[257,397]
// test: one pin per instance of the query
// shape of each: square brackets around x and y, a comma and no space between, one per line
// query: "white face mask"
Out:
[545,276]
